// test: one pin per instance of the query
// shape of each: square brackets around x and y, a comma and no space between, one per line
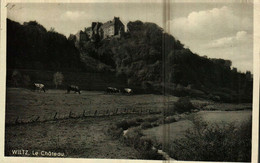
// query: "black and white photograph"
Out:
[130,80]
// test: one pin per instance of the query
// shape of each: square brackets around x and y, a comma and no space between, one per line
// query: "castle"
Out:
[99,31]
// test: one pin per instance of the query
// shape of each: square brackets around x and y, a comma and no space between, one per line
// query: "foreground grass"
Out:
[76,138]
[87,137]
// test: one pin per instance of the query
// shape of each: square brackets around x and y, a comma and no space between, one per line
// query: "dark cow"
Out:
[109,90]
[73,88]
[127,91]
[112,90]
[39,86]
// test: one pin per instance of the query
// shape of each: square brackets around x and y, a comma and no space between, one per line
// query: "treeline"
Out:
[152,59]
[31,46]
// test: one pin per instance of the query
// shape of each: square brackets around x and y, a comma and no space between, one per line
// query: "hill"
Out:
[152,59]
[145,56]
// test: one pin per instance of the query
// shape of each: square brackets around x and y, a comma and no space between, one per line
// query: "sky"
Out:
[215,30]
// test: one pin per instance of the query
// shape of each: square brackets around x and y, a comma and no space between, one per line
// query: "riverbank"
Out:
[207,128]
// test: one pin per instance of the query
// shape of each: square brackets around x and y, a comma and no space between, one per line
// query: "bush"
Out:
[122,124]
[132,123]
[213,142]
[115,132]
[151,119]
[146,125]
[125,124]
[224,97]
[183,105]
[145,144]
[133,136]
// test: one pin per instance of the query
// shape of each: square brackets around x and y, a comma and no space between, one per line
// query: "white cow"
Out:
[128,91]
[39,86]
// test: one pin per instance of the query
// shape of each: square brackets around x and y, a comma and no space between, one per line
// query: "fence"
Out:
[84,114]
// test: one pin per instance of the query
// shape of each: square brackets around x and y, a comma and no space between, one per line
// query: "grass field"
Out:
[81,137]
[28,104]
[84,137]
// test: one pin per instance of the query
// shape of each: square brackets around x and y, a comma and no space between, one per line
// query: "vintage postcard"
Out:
[129,81]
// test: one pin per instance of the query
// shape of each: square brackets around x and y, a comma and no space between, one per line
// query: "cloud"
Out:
[217,33]
[73,15]
[241,37]
[216,22]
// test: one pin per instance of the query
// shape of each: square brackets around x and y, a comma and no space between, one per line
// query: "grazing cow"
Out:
[127,91]
[39,86]
[116,90]
[73,88]
[112,90]
[109,90]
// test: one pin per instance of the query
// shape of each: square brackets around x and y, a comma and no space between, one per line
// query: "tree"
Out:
[52,29]
[58,79]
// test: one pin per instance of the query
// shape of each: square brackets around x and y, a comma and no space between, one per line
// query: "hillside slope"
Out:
[145,56]
[152,59]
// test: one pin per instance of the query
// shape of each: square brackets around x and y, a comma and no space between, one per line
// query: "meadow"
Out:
[62,128]
[84,137]
[27,104]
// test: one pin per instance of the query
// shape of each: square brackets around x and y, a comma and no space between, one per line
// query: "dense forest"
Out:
[145,56]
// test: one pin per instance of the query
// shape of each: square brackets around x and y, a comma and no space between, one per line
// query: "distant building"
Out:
[95,27]
[113,28]
[96,35]
[93,32]
[88,31]
[98,30]
[81,36]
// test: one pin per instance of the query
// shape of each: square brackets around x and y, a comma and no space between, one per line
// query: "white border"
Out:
[255,131]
